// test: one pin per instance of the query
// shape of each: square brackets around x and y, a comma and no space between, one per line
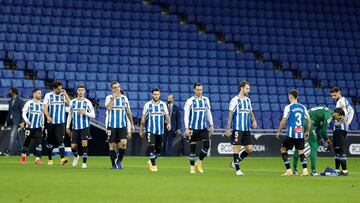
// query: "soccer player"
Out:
[295,114]
[342,102]
[80,113]
[339,140]
[54,110]
[119,122]
[33,115]
[197,110]
[155,113]
[240,105]
[320,118]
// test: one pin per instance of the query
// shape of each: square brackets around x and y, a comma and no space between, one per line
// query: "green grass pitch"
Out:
[173,182]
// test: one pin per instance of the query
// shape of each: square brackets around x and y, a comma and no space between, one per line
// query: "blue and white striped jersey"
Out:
[348,109]
[155,115]
[196,112]
[117,117]
[341,125]
[80,121]
[241,109]
[296,114]
[33,112]
[56,107]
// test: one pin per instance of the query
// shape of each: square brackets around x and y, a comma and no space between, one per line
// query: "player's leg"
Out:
[60,133]
[74,146]
[158,145]
[192,155]
[295,161]
[49,138]
[246,140]
[25,146]
[313,151]
[38,145]
[121,147]
[288,143]
[340,150]
[337,150]
[300,145]
[151,149]
[84,144]
[112,140]
[205,138]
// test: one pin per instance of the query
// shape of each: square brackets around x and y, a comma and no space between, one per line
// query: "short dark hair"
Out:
[14,90]
[80,86]
[340,111]
[35,90]
[156,89]
[294,93]
[113,83]
[243,84]
[335,90]
[57,84]
[197,85]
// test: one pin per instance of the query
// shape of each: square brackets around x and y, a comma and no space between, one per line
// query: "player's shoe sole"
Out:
[113,167]
[119,164]
[75,161]
[192,169]
[151,167]
[38,161]
[50,162]
[63,161]
[23,160]
[199,167]
[287,173]
[343,173]
[239,173]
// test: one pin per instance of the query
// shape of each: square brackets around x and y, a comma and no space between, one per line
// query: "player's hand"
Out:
[330,146]
[254,125]
[116,95]
[81,112]
[129,136]
[68,131]
[49,120]
[27,123]
[168,127]
[133,127]
[64,91]
[211,129]
[187,133]
[141,133]
[278,135]
[307,134]
[228,132]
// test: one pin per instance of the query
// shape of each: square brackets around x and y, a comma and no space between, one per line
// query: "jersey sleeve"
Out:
[286,112]
[187,108]
[146,109]
[232,105]
[46,99]
[306,113]
[208,103]
[107,100]
[25,110]
[127,102]
[90,110]
[166,110]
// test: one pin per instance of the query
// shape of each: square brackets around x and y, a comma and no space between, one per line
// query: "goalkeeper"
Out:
[320,118]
